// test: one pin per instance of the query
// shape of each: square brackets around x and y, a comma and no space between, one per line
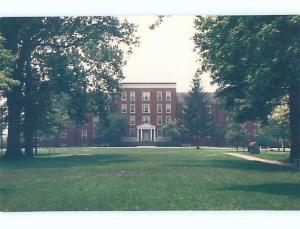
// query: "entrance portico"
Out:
[146,133]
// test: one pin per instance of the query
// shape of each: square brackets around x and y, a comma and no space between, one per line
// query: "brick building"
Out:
[147,107]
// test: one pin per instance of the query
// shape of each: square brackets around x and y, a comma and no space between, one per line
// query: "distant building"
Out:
[147,107]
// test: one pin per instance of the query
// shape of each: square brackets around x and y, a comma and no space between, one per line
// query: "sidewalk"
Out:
[271,162]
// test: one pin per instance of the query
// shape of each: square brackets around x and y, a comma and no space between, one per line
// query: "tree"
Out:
[175,130]
[236,133]
[255,62]
[196,115]
[63,55]
[112,128]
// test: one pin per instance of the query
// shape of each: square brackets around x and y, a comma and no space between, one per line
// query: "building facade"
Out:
[147,107]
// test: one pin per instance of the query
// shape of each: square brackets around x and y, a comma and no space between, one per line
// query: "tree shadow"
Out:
[232,164]
[282,189]
[66,161]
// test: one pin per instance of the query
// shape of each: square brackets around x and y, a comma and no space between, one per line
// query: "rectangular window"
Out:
[168,108]
[132,132]
[83,133]
[168,95]
[124,96]
[146,119]
[63,134]
[146,108]
[146,96]
[159,96]
[132,96]
[132,108]
[168,119]
[159,120]
[124,108]
[132,120]
[159,108]
[159,132]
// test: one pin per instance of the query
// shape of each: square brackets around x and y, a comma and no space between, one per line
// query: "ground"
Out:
[145,179]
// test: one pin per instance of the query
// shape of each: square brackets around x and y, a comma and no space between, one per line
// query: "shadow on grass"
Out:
[231,164]
[283,189]
[68,161]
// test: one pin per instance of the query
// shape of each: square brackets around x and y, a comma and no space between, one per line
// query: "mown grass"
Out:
[145,179]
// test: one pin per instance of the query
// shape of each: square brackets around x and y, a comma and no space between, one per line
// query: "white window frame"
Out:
[64,134]
[168,119]
[130,132]
[146,96]
[161,120]
[132,118]
[161,108]
[168,111]
[84,133]
[132,111]
[159,132]
[132,95]
[168,95]
[144,110]
[144,117]
[124,96]
[124,105]
[161,96]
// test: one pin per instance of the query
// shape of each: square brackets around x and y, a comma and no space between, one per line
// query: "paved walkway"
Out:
[271,162]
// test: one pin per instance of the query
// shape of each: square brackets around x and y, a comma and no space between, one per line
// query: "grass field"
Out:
[145,179]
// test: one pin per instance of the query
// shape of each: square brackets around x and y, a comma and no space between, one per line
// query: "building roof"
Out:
[148,85]
[181,97]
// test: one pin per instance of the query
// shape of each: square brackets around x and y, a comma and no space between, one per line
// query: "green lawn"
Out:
[145,179]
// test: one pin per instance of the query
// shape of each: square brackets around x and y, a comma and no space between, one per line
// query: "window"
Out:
[132,120]
[63,134]
[145,119]
[159,96]
[124,108]
[132,108]
[146,96]
[168,95]
[132,96]
[159,120]
[168,108]
[132,132]
[168,119]
[83,133]
[146,108]
[159,108]
[124,96]
[159,132]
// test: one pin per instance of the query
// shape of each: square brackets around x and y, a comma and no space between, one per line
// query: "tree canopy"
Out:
[73,56]
[255,62]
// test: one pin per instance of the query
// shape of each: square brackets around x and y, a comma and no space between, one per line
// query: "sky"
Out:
[165,54]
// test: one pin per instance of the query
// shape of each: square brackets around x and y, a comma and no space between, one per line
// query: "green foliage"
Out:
[175,130]
[236,134]
[6,61]
[112,128]
[196,117]
[64,56]
[255,62]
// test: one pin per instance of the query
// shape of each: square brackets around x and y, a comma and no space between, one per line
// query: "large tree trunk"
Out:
[294,104]
[14,104]
[29,110]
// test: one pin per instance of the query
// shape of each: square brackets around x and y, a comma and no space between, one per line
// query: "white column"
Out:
[141,135]
[154,136]
[150,135]
[138,135]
